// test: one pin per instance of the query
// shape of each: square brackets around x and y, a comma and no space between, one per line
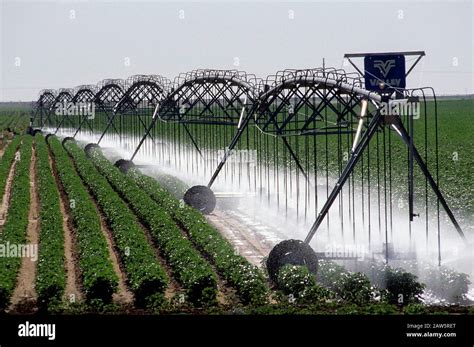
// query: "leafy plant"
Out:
[354,287]
[294,279]
[51,274]
[446,283]
[402,287]
[329,273]
[299,284]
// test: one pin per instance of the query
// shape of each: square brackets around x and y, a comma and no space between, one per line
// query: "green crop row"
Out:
[98,277]
[189,268]
[247,279]
[51,273]
[145,275]
[6,162]
[14,229]
[11,148]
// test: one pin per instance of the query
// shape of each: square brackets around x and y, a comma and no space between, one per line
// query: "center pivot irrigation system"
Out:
[311,130]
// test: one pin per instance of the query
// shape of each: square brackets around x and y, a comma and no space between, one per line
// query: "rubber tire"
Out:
[201,198]
[294,252]
[47,137]
[66,139]
[88,148]
[124,165]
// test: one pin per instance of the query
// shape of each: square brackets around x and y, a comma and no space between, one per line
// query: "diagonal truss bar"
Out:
[349,168]
[407,139]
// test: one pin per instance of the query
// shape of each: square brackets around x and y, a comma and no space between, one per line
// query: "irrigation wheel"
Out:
[201,198]
[124,165]
[66,139]
[294,252]
[89,147]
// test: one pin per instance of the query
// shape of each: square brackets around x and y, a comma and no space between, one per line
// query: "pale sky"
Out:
[60,44]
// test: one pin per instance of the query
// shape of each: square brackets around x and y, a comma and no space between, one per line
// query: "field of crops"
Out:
[111,242]
[15,116]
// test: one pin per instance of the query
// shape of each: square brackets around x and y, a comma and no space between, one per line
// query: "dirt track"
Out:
[6,195]
[247,244]
[123,295]
[24,296]
[73,290]
[173,286]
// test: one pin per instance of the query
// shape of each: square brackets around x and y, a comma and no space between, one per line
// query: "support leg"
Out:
[80,126]
[407,139]
[111,120]
[356,155]
[192,140]
[233,143]
[295,158]
[152,123]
